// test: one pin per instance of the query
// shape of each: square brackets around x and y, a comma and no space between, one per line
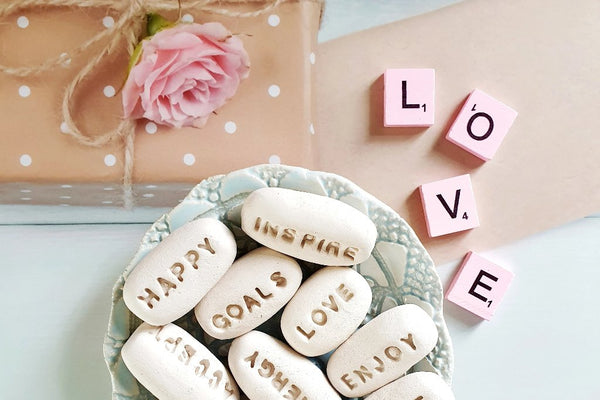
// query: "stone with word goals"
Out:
[255,287]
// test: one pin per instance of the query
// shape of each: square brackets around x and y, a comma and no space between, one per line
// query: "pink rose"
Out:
[184,74]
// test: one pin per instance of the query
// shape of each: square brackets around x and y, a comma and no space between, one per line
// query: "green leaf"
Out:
[156,23]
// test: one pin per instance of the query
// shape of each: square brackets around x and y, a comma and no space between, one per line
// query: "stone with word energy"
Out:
[173,365]
[415,386]
[175,275]
[267,369]
[382,350]
[255,287]
[326,310]
[307,226]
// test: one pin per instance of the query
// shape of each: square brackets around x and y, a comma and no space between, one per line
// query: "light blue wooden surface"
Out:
[59,266]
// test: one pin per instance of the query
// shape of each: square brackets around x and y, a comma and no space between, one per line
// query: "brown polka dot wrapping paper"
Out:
[269,119]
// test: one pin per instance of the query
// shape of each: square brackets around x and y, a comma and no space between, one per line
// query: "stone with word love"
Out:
[255,287]
[267,369]
[173,365]
[172,279]
[382,350]
[415,386]
[310,227]
[326,310]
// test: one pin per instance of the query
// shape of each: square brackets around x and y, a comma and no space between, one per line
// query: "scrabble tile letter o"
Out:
[449,205]
[481,125]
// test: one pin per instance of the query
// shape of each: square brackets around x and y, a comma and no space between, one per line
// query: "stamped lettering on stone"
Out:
[202,368]
[378,363]
[249,302]
[304,240]
[266,369]
[319,315]
[174,274]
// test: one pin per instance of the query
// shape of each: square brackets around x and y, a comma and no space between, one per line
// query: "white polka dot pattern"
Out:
[151,128]
[22,22]
[189,159]
[108,21]
[230,127]
[24,91]
[187,18]
[109,91]
[110,160]
[274,159]
[25,160]
[274,20]
[274,91]
[312,58]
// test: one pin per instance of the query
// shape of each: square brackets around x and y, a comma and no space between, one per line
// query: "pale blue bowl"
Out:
[399,270]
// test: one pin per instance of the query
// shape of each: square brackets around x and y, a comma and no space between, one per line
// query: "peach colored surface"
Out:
[268,121]
[541,60]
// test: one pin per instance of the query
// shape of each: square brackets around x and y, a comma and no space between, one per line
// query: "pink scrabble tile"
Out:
[409,97]
[479,286]
[449,205]
[481,125]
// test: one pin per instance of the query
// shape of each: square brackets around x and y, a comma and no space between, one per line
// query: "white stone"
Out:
[382,350]
[173,365]
[255,287]
[307,226]
[423,385]
[326,310]
[175,275]
[267,369]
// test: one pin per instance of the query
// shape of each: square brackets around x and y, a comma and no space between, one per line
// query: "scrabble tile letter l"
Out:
[479,285]
[481,125]
[449,205]
[409,97]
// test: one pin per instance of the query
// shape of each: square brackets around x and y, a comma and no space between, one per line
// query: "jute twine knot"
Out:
[127,28]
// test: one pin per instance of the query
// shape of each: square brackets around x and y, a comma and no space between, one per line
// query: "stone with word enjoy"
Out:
[326,310]
[307,226]
[382,350]
[415,386]
[267,369]
[173,365]
[175,275]
[255,287]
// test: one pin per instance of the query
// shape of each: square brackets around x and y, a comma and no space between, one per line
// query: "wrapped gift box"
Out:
[268,120]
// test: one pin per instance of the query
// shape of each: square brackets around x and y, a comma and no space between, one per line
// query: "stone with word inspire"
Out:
[307,226]
[415,386]
[175,275]
[326,310]
[267,369]
[173,365]
[255,287]
[382,350]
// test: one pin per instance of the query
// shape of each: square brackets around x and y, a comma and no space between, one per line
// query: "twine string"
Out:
[128,27]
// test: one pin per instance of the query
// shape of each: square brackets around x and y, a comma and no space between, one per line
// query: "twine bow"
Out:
[128,27]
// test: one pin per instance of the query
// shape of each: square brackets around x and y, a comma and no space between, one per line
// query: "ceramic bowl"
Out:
[399,270]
